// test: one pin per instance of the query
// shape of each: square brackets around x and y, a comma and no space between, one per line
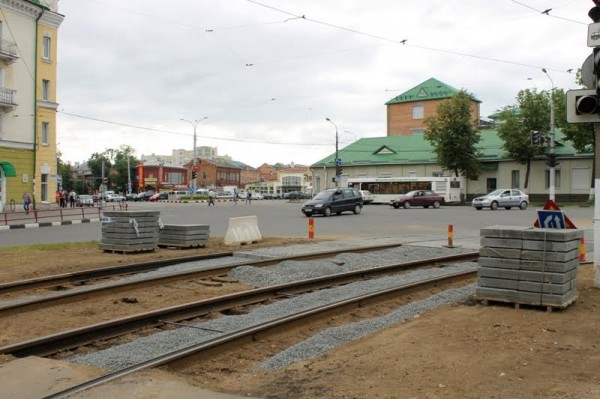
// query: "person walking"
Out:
[235,197]
[26,202]
[211,198]
[249,198]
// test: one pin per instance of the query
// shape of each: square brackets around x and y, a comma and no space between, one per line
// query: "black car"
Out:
[334,200]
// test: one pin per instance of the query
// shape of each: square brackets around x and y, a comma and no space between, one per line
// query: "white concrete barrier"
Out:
[242,230]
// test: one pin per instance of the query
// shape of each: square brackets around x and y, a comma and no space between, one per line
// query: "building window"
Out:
[47,43]
[44,187]
[418,111]
[556,179]
[515,179]
[437,174]
[45,89]
[45,129]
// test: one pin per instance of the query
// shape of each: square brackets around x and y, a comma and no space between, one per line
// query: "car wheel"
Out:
[396,205]
[523,205]
[436,204]
[327,212]
[338,213]
[406,205]
[478,208]
[507,207]
[357,209]
[494,206]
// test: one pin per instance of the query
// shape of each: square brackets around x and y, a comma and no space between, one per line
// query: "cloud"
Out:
[267,79]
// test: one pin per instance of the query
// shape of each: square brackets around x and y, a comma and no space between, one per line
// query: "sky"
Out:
[261,77]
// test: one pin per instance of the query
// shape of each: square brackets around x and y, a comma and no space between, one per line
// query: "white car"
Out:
[114,198]
[257,196]
[506,198]
[367,196]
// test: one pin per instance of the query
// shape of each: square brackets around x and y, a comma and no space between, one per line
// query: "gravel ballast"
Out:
[146,348]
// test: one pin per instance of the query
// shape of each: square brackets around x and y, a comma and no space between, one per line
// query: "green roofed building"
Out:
[406,112]
[412,156]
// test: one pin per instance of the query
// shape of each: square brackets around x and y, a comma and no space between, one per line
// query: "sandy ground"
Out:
[461,351]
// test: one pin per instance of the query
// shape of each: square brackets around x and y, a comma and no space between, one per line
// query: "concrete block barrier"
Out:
[242,230]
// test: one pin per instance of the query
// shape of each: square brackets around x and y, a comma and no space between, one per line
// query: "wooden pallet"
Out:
[518,305]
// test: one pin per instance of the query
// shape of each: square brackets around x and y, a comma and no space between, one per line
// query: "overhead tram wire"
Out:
[404,41]
[188,134]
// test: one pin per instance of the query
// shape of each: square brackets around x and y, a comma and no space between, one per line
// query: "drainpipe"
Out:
[35,75]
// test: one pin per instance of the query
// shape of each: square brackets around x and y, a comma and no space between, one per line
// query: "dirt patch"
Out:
[460,351]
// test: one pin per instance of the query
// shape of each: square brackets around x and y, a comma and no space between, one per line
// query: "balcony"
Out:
[8,99]
[8,51]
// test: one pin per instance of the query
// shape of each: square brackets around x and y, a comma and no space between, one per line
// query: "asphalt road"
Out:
[284,219]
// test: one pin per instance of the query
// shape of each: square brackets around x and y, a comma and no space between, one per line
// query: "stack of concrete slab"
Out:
[130,231]
[183,235]
[530,266]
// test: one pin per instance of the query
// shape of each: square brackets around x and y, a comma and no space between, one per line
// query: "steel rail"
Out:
[81,336]
[229,337]
[202,273]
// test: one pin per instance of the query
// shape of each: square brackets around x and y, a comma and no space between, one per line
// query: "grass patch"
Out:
[51,247]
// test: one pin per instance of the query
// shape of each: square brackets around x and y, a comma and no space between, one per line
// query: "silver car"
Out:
[505,197]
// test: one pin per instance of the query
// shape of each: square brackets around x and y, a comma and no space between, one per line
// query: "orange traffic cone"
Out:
[581,250]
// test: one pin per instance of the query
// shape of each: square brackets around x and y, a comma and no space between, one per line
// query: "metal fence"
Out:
[19,216]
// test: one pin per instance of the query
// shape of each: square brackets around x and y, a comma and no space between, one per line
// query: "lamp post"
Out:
[194,124]
[337,159]
[552,171]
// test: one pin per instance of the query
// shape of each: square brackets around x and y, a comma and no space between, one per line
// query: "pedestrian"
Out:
[26,202]
[62,199]
[72,199]
[211,198]
[235,197]
[249,198]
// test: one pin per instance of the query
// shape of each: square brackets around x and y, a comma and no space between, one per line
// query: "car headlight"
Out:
[319,206]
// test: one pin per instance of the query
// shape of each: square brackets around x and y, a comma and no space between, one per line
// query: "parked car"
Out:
[131,197]
[85,200]
[367,196]
[114,198]
[503,197]
[334,200]
[225,195]
[424,198]
[144,196]
[257,196]
[159,196]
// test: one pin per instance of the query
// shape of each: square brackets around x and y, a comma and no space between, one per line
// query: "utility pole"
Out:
[551,158]
[194,124]
[338,161]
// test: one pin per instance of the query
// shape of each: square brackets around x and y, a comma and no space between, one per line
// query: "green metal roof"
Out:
[414,149]
[431,89]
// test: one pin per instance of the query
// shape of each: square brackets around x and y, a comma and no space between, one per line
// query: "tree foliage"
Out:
[531,112]
[453,135]
[115,167]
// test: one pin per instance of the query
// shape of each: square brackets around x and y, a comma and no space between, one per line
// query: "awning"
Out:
[9,169]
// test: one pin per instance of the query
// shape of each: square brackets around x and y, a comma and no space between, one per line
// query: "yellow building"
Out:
[28,39]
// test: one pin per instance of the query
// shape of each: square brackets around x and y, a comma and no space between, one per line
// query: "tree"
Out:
[454,136]
[65,171]
[532,112]
[115,166]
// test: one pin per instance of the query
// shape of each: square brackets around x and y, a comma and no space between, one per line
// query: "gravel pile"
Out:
[148,347]
[335,336]
[289,271]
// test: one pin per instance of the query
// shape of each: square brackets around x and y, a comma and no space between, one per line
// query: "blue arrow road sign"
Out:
[551,219]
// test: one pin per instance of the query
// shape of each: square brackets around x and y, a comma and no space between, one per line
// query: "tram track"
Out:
[67,340]
[225,339]
[84,278]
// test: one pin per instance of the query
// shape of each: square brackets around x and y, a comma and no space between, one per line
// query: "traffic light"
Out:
[536,137]
[193,174]
[338,170]
[583,106]
[552,160]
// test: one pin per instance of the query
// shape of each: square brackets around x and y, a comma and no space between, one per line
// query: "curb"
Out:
[47,224]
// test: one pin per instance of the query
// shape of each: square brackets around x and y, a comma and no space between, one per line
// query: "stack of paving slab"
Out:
[528,266]
[130,231]
[183,235]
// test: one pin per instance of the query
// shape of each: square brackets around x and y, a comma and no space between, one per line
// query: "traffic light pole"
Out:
[552,170]
[194,124]
[597,206]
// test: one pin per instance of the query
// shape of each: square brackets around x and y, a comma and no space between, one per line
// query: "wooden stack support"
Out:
[528,266]
[130,231]
[183,235]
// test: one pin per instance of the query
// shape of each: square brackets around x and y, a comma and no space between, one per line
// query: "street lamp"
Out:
[194,124]
[337,159]
[552,171]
